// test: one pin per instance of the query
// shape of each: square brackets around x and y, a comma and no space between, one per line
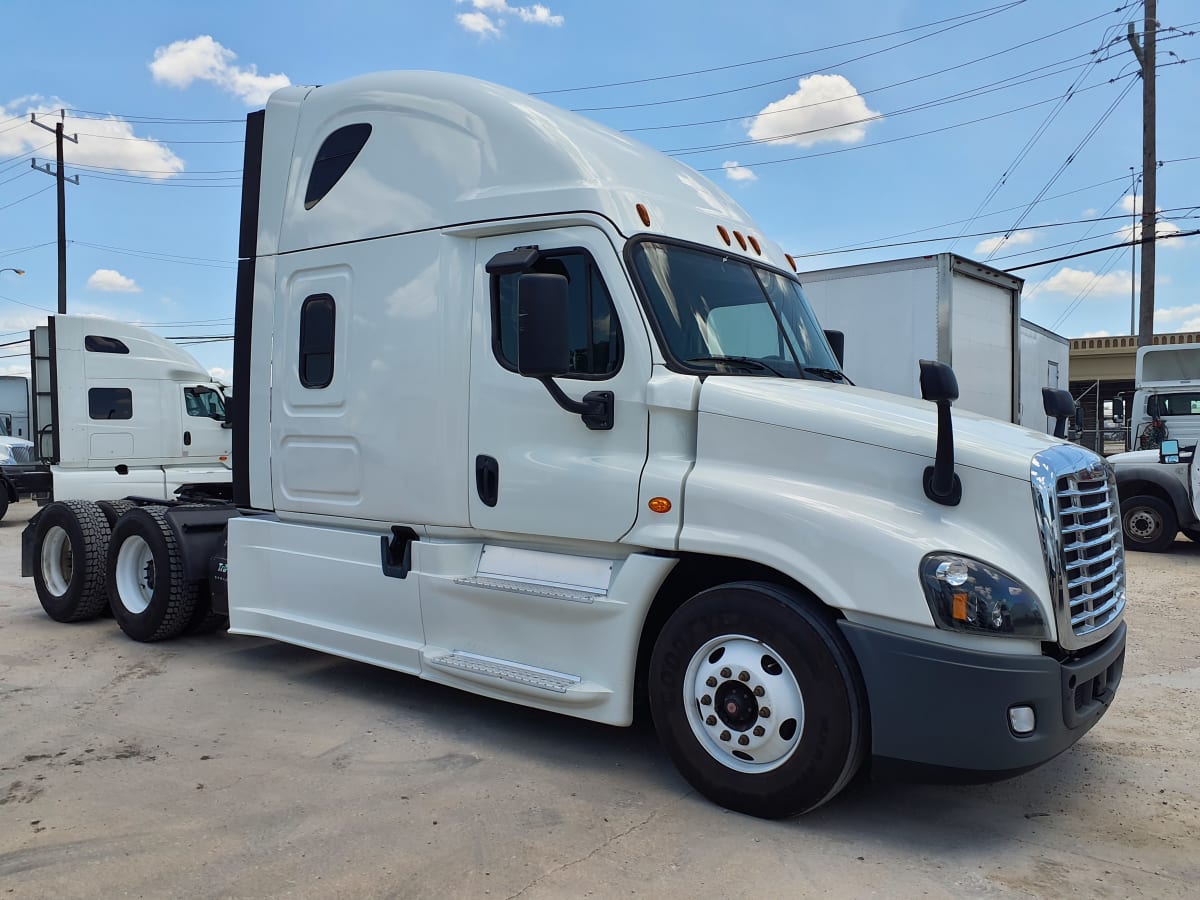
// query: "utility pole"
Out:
[59,137]
[1132,249]
[1145,58]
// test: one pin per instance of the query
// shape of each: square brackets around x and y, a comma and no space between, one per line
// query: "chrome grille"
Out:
[1075,494]
[23,455]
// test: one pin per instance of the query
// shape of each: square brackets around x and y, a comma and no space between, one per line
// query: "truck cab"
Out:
[528,409]
[1160,495]
[1166,398]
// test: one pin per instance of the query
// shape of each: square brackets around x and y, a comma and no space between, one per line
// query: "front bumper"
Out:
[944,707]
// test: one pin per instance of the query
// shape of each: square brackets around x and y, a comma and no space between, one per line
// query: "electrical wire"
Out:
[27,197]
[755,62]
[790,78]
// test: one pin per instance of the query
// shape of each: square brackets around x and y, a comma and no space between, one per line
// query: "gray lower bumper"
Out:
[945,707]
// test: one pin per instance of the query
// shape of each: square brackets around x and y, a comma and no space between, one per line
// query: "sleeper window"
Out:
[95,343]
[110,403]
[593,330]
[317,321]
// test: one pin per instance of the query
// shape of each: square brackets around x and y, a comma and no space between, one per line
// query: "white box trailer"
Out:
[943,307]
[1045,363]
[528,409]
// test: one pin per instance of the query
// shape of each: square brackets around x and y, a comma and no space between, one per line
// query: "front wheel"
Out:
[758,700]
[1148,523]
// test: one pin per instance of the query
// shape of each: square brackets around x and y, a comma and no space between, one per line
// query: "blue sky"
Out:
[909,130]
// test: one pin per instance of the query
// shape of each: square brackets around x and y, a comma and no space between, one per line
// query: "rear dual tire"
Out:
[69,547]
[148,593]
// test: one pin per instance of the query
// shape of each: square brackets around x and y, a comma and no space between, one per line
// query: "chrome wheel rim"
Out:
[743,703]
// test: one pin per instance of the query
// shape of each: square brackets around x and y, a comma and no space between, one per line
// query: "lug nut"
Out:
[710,721]
[724,735]
[706,700]
[726,672]
[743,740]
[765,712]
[710,681]
[744,676]
[759,731]
[758,691]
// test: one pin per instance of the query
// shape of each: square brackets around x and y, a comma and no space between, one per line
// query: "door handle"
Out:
[187,439]
[487,479]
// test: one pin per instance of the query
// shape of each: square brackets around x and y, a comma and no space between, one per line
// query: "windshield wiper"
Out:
[747,361]
[827,374]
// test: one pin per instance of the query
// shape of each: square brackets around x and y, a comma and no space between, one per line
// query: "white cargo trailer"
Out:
[945,308]
[1045,362]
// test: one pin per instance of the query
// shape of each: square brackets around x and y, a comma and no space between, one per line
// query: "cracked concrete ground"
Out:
[223,766]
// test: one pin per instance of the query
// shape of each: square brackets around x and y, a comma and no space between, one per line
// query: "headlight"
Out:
[967,595]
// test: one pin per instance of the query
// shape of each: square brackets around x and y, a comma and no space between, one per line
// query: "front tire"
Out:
[69,545]
[150,598]
[1149,523]
[757,699]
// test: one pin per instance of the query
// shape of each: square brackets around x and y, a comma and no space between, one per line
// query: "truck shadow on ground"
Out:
[928,817]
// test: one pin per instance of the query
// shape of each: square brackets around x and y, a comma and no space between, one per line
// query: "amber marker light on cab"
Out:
[659,505]
[645,216]
[791,262]
[724,233]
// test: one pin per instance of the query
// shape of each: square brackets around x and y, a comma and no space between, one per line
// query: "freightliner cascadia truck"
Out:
[529,409]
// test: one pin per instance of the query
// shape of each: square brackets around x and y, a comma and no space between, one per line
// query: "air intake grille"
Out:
[1076,496]
[23,455]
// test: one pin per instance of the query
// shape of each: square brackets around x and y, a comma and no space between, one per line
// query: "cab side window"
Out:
[593,329]
[110,403]
[317,320]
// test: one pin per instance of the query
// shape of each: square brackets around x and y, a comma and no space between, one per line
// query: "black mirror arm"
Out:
[596,407]
[941,482]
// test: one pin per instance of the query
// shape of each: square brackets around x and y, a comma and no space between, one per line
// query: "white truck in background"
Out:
[1167,389]
[529,409]
[14,405]
[1045,363]
[118,411]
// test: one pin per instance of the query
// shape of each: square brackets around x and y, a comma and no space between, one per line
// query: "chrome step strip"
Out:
[504,670]
[531,588]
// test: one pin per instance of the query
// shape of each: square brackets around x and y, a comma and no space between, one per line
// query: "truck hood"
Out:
[1134,458]
[874,417]
[7,442]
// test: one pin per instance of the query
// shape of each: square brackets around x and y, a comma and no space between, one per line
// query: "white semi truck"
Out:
[117,411]
[528,409]
[14,405]
[1166,390]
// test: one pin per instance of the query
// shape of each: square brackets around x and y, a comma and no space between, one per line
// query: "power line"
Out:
[1144,240]
[976,234]
[150,120]
[23,303]
[27,197]
[790,78]
[1087,289]
[907,137]
[161,257]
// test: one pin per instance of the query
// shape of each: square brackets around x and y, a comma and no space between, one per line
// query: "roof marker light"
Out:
[754,243]
[741,240]
[791,262]
[724,234]
[641,211]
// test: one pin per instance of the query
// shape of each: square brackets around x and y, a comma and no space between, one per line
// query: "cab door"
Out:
[533,467]
[203,419]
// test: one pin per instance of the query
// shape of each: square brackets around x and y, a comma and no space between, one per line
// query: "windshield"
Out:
[5,430]
[723,314]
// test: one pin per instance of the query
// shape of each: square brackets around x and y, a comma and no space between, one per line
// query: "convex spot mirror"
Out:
[543,350]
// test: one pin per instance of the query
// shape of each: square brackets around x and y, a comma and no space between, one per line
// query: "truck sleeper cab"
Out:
[531,410]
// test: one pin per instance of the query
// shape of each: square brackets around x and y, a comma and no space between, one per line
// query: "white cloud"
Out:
[1161,229]
[1088,213]
[489,16]
[734,172]
[1076,281]
[1101,333]
[1179,318]
[204,59]
[479,23]
[992,244]
[825,108]
[112,281]
[109,142]
[221,374]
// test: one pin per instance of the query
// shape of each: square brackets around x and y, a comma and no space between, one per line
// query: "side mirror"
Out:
[1077,416]
[938,382]
[1168,451]
[1118,409]
[542,342]
[1060,406]
[837,343]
